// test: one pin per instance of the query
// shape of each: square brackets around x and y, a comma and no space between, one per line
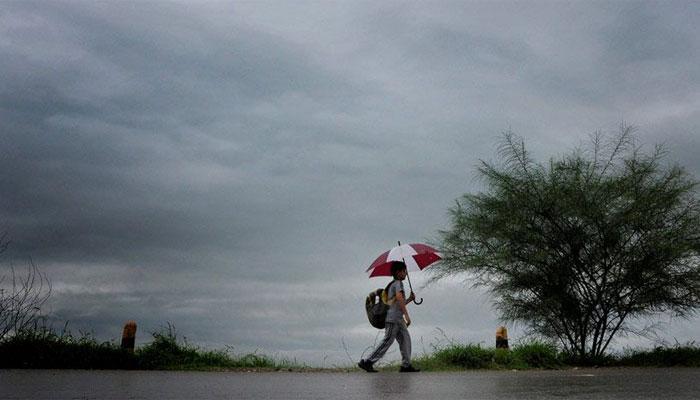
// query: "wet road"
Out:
[672,383]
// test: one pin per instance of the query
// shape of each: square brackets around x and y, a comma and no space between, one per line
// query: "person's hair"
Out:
[397,266]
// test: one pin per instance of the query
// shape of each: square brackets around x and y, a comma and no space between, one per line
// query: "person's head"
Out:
[398,270]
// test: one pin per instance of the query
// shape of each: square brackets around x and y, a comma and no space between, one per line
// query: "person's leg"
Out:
[390,332]
[404,339]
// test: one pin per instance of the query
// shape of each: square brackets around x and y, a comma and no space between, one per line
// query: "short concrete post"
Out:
[501,337]
[129,336]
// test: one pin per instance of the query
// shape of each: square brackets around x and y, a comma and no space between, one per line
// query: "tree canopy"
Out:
[578,247]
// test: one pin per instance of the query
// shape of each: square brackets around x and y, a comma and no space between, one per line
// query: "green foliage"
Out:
[166,352]
[507,359]
[577,247]
[473,356]
[537,355]
[465,356]
[44,348]
[542,355]
[677,356]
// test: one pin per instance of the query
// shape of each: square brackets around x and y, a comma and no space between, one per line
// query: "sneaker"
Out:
[366,365]
[409,369]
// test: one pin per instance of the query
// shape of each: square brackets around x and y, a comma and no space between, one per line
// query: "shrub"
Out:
[504,358]
[46,349]
[465,356]
[537,355]
[166,352]
[678,356]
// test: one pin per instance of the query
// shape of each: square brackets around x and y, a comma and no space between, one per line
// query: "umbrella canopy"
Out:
[417,256]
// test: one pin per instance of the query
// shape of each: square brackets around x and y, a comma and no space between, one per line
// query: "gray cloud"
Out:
[232,169]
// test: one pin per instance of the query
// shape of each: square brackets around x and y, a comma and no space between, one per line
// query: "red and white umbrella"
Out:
[417,257]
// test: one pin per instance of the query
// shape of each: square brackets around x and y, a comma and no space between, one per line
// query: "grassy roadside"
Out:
[455,357]
[677,356]
[46,349]
[540,355]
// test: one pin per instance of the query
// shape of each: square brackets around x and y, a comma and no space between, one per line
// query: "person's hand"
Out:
[411,298]
[408,320]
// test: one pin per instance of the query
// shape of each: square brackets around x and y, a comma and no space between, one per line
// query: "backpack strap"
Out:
[385,294]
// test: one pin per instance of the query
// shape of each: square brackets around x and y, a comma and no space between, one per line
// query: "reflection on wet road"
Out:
[671,383]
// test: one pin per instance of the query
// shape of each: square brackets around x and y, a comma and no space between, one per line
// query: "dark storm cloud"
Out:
[233,168]
[139,169]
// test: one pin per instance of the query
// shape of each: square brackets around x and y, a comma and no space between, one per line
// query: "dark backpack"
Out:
[377,304]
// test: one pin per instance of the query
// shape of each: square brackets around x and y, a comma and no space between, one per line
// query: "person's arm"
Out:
[401,301]
[411,298]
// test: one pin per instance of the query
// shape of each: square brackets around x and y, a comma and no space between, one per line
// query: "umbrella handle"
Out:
[409,281]
[413,291]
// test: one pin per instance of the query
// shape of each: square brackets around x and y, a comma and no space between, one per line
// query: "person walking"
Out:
[397,322]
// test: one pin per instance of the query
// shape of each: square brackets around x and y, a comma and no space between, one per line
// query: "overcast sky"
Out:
[233,168]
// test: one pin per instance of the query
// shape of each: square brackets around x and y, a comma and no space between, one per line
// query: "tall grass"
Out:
[687,355]
[538,354]
[473,356]
[167,352]
[542,355]
[44,348]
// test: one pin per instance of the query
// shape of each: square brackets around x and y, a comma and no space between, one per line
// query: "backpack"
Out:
[376,305]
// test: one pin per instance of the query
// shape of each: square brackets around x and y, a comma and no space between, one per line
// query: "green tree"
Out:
[579,247]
